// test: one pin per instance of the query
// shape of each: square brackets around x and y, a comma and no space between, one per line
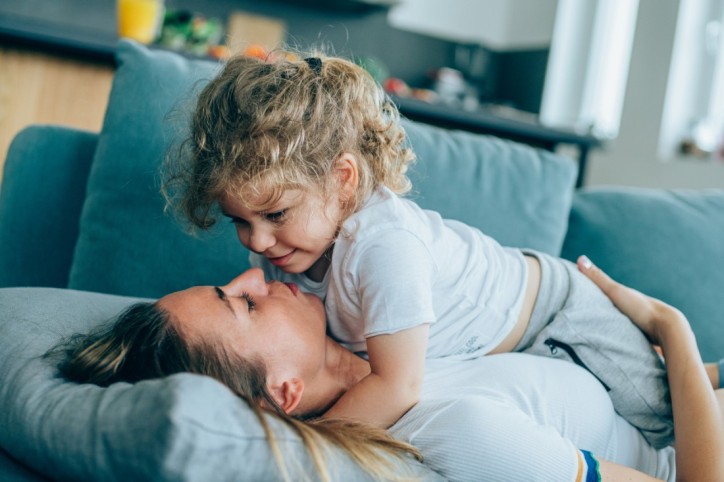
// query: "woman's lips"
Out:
[281,260]
[293,288]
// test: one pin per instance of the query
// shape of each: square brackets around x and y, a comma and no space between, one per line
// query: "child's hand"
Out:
[649,314]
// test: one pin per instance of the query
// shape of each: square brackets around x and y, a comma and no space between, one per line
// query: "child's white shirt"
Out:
[396,266]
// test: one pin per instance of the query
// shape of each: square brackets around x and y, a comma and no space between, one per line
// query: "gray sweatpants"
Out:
[575,321]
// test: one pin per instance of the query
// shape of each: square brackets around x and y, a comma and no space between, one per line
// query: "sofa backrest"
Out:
[128,245]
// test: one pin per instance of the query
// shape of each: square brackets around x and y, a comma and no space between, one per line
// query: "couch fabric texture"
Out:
[81,215]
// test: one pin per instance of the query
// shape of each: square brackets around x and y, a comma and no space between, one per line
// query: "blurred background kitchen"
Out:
[632,89]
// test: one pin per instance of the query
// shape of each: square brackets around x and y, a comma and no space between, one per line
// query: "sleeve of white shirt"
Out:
[393,276]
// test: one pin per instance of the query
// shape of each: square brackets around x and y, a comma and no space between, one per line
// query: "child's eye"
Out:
[276,216]
[251,304]
[235,220]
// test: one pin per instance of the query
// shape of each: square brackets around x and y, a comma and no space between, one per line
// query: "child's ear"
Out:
[288,394]
[347,170]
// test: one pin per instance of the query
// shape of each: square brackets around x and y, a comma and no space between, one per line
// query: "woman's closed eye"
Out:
[250,303]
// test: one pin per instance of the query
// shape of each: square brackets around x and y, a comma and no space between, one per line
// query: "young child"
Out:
[307,158]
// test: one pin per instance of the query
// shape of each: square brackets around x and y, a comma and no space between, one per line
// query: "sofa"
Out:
[84,233]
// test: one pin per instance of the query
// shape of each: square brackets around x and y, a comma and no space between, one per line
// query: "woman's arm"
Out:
[698,420]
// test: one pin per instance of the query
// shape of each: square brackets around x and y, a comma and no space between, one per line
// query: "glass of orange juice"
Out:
[139,19]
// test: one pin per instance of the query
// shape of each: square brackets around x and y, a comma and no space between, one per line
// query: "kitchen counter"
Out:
[77,27]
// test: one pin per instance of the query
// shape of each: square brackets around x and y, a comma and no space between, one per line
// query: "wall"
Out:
[632,158]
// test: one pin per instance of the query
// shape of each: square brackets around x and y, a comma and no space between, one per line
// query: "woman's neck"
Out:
[342,370]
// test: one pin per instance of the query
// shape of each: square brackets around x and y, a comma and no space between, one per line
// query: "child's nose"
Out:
[250,281]
[261,239]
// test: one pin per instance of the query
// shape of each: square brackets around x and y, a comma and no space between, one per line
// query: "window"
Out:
[693,117]
[588,65]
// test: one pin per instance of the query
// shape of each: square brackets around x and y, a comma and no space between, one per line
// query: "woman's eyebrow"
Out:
[222,296]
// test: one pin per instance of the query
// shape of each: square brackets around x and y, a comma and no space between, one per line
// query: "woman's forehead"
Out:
[195,312]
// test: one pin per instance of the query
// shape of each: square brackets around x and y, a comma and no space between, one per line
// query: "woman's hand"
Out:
[698,419]
[652,316]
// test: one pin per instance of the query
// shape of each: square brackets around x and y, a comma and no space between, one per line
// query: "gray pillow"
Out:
[183,427]
[668,244]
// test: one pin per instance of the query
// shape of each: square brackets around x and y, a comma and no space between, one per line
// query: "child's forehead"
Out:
[260,199]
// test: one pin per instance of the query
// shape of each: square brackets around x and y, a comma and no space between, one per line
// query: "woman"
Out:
[267,342]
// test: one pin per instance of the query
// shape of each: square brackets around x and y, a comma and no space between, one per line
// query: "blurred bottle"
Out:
[139,20]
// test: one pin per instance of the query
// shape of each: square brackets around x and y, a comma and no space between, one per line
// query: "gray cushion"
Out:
[519,195]
[128,246]
[184,427]
[668,244]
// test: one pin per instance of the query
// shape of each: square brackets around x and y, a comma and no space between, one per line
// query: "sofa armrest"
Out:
[41,197]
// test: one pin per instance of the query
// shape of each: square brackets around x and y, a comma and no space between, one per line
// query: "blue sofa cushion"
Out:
[519,195]
[127,244]
[182,427]
[668,244]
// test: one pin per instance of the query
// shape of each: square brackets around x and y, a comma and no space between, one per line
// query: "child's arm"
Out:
[393,386]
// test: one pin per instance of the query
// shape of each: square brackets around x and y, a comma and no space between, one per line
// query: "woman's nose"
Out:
[250,281]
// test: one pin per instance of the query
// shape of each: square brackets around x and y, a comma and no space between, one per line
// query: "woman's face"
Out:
[273,321]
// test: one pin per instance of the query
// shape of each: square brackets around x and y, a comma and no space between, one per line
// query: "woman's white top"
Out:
[518,417]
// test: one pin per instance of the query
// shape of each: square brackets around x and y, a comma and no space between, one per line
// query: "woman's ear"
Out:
[288,394]
[347,170]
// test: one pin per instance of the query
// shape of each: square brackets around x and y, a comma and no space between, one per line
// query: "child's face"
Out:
[293,234]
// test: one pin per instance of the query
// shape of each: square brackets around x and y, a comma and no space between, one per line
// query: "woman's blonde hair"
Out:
[142,344]
[260,128]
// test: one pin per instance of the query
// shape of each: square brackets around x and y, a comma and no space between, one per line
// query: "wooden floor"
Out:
[40,88]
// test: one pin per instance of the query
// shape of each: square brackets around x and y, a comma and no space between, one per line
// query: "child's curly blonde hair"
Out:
[260,128]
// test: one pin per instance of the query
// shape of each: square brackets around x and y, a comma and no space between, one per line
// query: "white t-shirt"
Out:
[396,266]
[518,417]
